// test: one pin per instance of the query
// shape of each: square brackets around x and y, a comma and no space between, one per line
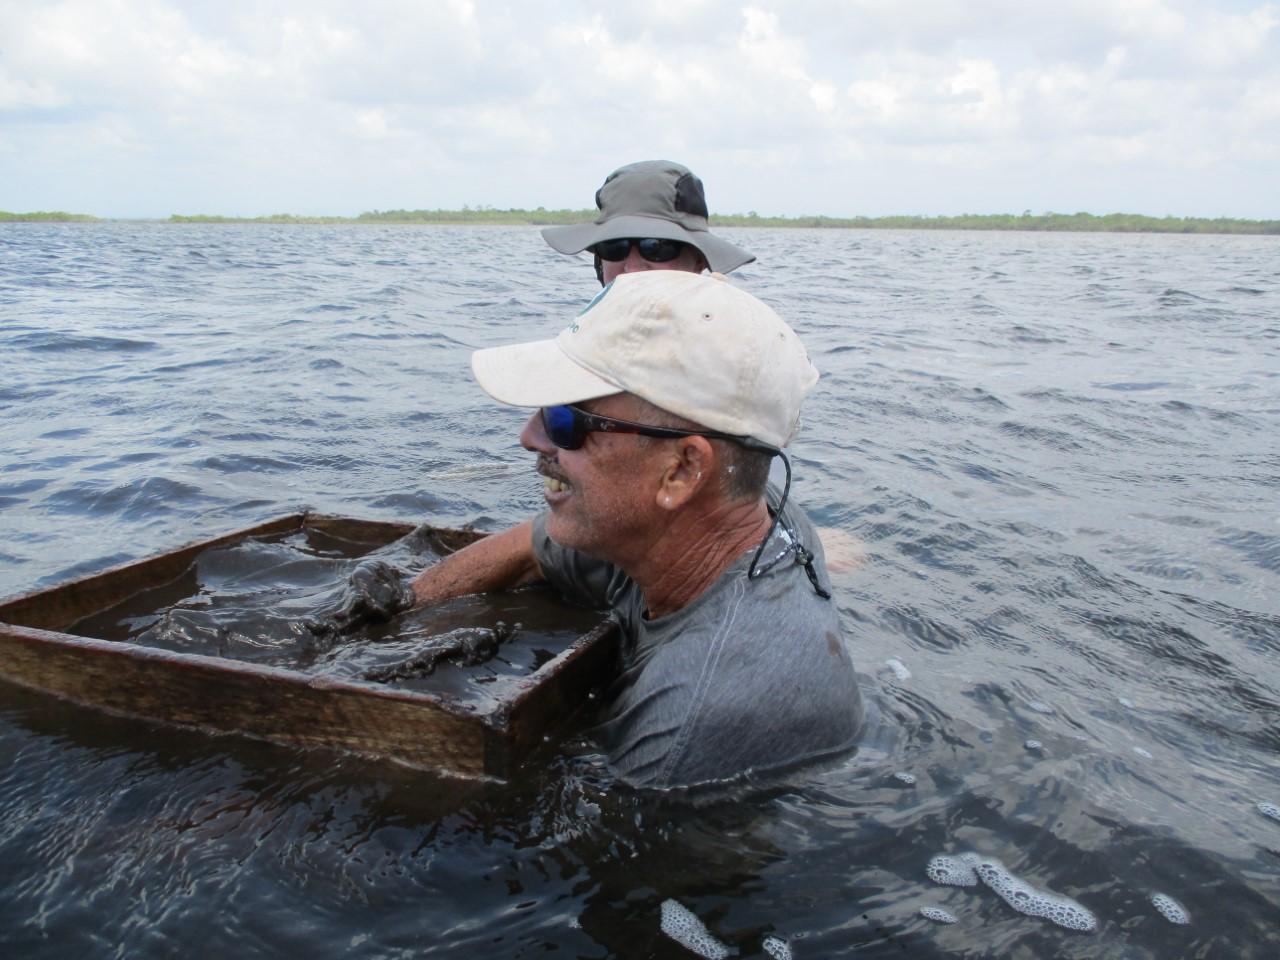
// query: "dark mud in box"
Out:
[215,635]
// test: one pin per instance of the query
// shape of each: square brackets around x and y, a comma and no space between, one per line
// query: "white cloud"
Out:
[811,106]
[372,124]
[17,93]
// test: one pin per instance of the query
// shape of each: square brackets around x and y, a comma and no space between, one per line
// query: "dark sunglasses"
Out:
[567,427]
[653,249]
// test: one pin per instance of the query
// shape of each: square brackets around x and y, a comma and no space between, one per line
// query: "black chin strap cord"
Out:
[799,553]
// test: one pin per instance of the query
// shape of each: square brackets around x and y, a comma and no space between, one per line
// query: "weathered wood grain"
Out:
[214,694]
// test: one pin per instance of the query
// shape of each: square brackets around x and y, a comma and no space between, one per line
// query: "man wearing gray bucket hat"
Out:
[658,411]
[653,216]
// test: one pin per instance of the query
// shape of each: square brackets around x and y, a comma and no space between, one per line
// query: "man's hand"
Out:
[466,646]
[375,592]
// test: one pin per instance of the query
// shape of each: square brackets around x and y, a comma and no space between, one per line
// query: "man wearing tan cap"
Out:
[659,409]
[653,216]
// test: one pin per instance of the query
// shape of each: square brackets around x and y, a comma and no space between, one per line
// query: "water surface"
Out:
[1060,452]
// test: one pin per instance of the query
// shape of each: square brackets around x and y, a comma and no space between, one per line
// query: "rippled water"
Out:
[1060,451]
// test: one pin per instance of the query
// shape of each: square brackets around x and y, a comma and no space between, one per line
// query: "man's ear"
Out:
[689,468]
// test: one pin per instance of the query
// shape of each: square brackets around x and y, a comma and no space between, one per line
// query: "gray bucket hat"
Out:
[653,198]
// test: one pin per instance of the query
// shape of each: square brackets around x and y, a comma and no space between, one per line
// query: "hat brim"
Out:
[721,255]
[537,374]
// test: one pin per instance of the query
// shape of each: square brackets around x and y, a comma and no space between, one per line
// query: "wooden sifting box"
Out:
[286,706]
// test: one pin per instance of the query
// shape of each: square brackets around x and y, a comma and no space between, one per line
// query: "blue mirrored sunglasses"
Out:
[567,427]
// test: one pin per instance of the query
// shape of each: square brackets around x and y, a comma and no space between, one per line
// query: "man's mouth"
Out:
[551,482]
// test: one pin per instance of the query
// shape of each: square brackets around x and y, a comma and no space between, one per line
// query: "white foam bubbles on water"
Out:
[1170,908]
[952,871]
[776,948]
[966,869]
[938,915]
[906,779]
[1034,903]
[1034,745]
[682,926]
[899,668]
[1269,810]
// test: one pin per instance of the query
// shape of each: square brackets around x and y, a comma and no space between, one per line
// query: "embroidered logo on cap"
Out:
[574,326]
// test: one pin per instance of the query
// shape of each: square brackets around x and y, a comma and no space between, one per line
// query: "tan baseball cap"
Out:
[691,344]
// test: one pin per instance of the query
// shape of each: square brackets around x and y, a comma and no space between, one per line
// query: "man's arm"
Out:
[494,562]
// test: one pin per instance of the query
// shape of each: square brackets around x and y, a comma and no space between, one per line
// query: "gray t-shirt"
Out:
[752,675]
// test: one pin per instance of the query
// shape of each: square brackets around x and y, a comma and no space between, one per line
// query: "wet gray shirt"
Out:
[752,675]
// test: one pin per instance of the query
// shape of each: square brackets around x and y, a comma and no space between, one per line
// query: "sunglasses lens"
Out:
[659,251]
[613,250]
[653,249]
[561,425]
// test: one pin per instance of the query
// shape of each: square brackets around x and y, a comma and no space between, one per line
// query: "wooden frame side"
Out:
[56,608]
[549,699]
[349,528]
[284,706]
[211,694]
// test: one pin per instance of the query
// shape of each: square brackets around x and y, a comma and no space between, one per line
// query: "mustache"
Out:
[549,467]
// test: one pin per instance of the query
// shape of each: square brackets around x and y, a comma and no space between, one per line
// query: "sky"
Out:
[145,108]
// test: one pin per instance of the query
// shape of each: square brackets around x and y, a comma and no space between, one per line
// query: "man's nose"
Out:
[534,437]
[635,262]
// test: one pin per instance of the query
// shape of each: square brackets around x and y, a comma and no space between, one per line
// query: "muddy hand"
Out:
[466,646]
[375,592]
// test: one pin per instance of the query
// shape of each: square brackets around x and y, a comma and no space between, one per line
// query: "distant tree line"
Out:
[46,216]
[1063,222]
[268,218]
[1066,222]
[541,217]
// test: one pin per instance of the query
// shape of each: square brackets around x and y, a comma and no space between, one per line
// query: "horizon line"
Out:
[541,216]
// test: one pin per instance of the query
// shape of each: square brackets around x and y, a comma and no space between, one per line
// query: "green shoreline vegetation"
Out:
[541,217]
[1047,222]
[47,216]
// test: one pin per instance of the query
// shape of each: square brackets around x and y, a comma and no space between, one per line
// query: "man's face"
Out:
[603,495]
[689,260]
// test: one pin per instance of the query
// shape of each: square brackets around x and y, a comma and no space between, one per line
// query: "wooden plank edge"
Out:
[549,699]
[57,607]
[227,697]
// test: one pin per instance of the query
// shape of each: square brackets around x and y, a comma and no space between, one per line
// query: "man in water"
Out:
[659,410]
[653,216]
